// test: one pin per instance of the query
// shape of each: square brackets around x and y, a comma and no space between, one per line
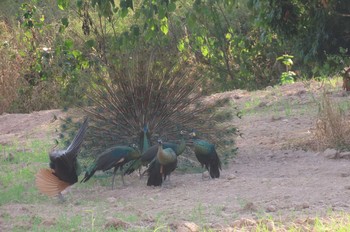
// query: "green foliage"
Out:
[288,76]
[310,30]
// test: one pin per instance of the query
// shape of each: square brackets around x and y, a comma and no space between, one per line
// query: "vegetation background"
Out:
[51,49]
[54,53]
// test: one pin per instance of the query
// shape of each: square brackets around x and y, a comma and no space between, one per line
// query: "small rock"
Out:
[187,227]
[231,177]
[345,174]
[305,205]
[276,118]
[271,208]
[330,153]
[116,223]
[48,223]
[262,104]
[243,222]
[205,175]
[347,187]
[111,199]
[344,155]
[250,207]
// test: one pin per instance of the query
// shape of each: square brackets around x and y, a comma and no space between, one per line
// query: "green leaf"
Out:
[205,51]
[68,43]
[62,4]
[76,53]
[65,22]
[164,26]
[90,43]
[172,7]
[181,46]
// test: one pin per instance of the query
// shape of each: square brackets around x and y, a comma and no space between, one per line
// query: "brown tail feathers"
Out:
[48,183]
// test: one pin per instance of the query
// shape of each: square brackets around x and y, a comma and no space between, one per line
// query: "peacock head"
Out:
[192,134]
[160,141]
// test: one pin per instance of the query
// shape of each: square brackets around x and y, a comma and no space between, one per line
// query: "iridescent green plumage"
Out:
[163,165]
[207,156]
[115,157]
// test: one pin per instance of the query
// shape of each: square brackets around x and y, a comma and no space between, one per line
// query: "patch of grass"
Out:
[18,171]
[332,127]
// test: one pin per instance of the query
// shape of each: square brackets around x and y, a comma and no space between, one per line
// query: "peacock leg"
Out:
[114,172]
[121,173]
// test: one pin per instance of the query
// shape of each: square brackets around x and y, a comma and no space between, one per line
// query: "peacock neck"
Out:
[146,143]
[181,147]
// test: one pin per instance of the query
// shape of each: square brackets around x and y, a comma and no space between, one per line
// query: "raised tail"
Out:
[75,145]
[136,164]
[154,175]
[49,184]
[215,167]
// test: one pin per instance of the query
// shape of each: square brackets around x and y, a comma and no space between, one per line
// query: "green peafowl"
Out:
[144,145]
[162,166]
[65,168]
[146,86]
[206,155]
[115,157]
[148,155]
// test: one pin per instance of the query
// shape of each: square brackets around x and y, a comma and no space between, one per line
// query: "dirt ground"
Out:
[272,173]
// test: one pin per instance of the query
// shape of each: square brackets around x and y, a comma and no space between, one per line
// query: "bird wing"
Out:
[49,184]
[149,155]
[111,157]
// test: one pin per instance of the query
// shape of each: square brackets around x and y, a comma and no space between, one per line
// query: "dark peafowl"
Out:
[64,166]
[115,157]
[206,155]
[162,166]
[151,153]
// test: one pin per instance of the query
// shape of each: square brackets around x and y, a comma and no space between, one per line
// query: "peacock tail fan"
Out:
[149,87]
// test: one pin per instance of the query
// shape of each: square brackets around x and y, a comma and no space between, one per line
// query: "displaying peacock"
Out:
[115,157]
[206,155]
[162,166]
[64,167]
[147,89]
[151,153]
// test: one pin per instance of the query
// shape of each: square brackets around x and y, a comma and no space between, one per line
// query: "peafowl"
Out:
[162,166]
[206,155]
[115,157]
[64,167]
[148,155]
[144,144]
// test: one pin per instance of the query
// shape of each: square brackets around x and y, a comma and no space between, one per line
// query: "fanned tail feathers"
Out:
[49,184]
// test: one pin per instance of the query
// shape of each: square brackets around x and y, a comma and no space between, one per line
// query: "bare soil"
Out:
[274,173]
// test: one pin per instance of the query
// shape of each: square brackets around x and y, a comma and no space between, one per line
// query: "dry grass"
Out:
[332,126]
[10,65]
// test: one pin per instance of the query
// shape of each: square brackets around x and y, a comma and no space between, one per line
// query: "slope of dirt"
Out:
[271,175]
